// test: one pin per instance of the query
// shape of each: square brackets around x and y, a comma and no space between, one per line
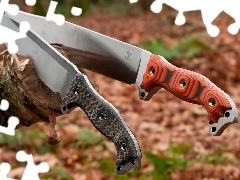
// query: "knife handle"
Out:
[106,119]
[186,85]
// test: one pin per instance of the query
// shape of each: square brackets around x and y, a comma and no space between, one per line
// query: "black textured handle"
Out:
[107,120]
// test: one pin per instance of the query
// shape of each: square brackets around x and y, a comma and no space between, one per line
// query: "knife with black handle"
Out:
[61,76]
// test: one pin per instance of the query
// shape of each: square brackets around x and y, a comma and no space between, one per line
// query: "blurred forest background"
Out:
[173,134]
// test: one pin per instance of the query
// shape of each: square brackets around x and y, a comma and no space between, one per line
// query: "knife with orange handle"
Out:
[133,65]
[191,87]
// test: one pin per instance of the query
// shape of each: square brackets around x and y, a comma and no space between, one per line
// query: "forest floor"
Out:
[173,130]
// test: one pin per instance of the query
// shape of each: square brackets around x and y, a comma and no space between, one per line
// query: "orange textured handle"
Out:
[186,85]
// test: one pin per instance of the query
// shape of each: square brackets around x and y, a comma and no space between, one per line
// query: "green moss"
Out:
[219,157]
[163,165]
[58,172]
[188,48]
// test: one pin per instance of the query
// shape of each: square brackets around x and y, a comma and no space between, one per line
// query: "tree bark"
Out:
[29,98]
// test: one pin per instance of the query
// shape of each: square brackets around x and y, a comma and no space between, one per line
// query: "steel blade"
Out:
[96,52]
[50,66]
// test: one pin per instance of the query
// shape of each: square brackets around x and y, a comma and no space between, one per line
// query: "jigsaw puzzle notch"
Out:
[133,1]
[7,35]
[30,2]
[12,9]
[51,16]
[4,170]
[209,11]
[31,171]
[4,105]
[12,123]
[76,11]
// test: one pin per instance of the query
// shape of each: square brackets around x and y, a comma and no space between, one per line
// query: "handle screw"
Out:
[101,116]
[211,102]
[182,83]
[152,71]
[123,146]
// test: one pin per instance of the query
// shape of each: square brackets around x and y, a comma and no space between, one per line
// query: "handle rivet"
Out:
[123,146]
[100,116]
[211,102]
[76,91]
[182,83]
[152,71]
[133,161]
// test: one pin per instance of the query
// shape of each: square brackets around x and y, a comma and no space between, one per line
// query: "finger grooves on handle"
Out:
[186,85]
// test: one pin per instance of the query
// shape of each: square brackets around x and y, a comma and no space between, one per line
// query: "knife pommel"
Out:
[188,86]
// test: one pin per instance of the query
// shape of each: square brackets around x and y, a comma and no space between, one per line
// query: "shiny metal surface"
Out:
[96,52]
[51,67]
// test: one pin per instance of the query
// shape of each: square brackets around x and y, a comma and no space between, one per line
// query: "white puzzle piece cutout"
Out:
[51,16]
[7,35]
[4,105]
[30,2]
[209,10]
[12,123]
[4,170]
[133,1]
[31,171]
[76,11]
[12,9]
